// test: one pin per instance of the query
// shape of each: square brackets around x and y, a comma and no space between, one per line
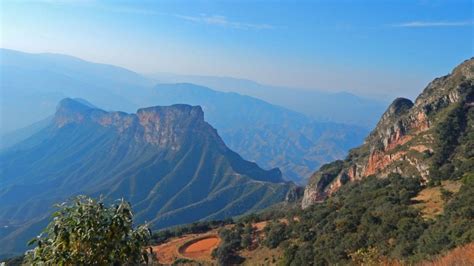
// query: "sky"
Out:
[374,48]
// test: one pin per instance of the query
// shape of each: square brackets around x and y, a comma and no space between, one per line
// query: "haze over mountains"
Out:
[167,161]
[319,105]
[171,164]
[265,133]
[268,134]
[275,133]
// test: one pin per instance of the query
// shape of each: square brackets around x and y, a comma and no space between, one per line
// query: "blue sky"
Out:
[376,48]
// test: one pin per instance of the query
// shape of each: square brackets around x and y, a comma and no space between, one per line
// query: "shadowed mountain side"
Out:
[267,134]
[167,161]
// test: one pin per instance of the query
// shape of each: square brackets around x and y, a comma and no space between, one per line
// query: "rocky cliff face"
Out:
[161,126]
[404,139]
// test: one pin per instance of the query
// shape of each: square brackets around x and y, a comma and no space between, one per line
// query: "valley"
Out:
[392,201]
[272,133]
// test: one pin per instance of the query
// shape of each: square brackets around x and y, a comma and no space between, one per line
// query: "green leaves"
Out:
[85,231]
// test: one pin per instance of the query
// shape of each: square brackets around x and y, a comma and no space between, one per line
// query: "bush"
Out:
[373,220]
[362,217]
[86,232]
[275,234]
[247,236]
[194,228]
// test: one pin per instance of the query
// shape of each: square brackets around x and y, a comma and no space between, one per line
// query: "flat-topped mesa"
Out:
[158,125]
[173,124]
[178,117]
[403,139]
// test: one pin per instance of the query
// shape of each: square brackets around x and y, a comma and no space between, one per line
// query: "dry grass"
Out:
[430,201]
[199,247]
[261,256]
[460,256]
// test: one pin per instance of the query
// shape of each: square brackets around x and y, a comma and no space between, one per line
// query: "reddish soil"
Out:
[201,248]
[194,246]
[198,247]
[260,225]
[167,252]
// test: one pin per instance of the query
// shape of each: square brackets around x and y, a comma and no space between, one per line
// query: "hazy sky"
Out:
[390,48]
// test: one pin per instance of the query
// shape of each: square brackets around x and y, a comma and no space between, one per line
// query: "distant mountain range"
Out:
[167,161]
[268,134]
[340,107]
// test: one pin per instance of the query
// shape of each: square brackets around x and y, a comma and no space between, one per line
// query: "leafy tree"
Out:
[162,236]
[373,214]
[86,232]
[230,243]
[275,234]
[453,140]
[366,256]
[247,236]
[446,195]
[373,220]
[454,227]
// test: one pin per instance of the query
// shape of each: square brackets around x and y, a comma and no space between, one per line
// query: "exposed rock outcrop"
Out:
[163,126]
[401,140]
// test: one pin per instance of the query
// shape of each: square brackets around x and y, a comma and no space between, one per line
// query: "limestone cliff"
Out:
[406,140]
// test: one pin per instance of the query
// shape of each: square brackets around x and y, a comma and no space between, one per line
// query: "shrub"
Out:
[86,232]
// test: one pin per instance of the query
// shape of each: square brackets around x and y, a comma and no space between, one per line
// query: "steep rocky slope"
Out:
[264,133]
[432,138]
[167,161]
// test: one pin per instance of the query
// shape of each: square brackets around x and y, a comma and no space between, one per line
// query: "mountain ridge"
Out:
[265,133]
[260,131]
[409,138]
[167,161]
[317,104]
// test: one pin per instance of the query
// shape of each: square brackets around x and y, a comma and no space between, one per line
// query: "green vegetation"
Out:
[247,236]
[164,235]
[275,233]
[455,226]
[447,135]
[373,213]
[231,242]
[195,182]
[183,261]
[446,195]
[377,220]
[454,145]
[371,221]
[233,239]
[87,232]
[328,172]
